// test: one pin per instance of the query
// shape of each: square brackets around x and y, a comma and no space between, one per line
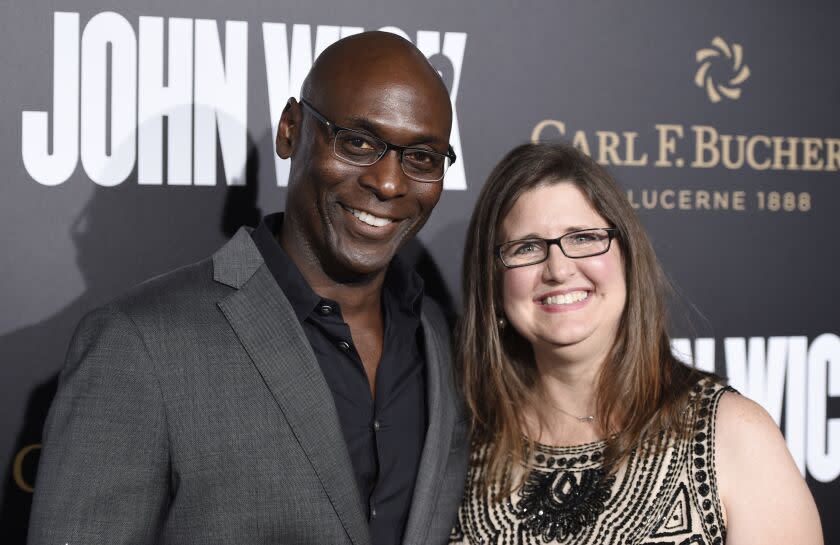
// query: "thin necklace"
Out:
[588,419]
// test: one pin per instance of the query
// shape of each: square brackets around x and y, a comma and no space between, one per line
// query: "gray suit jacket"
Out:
[194,411]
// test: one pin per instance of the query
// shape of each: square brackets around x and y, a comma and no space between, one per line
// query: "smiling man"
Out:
[296,387]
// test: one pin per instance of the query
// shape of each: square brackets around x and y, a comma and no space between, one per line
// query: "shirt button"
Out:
[376,425]
[373,512]
[325,310]
[344,345]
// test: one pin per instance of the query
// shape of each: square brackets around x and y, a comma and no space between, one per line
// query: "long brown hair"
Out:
[641,388]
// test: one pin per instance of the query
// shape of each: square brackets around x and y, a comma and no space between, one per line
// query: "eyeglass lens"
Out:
[584,243]
[361,149]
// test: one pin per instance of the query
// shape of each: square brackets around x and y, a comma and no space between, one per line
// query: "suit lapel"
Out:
[438,435]
[266,325]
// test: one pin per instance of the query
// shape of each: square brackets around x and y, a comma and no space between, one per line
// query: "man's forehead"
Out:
[384,102]
[379,97]
[395,112]
[386,74]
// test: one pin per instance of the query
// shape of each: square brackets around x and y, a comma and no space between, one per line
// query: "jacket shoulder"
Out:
[188,292]
[172,293]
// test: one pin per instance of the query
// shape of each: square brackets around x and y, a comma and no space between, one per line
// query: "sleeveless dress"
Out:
[664,498]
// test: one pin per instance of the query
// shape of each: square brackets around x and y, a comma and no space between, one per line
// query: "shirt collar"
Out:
[402,283]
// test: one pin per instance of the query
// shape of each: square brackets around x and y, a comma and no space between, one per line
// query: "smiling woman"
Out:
[564,306]
[586,429]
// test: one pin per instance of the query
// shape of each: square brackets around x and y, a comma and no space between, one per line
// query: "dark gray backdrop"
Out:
[756,284]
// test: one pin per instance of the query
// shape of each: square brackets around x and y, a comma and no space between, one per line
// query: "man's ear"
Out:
[288,129]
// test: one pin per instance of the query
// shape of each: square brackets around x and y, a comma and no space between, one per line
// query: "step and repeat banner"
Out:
[136,137]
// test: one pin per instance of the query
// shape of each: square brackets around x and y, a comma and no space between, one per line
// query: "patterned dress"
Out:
[666,498]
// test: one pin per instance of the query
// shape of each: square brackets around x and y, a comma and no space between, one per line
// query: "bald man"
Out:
[296,387]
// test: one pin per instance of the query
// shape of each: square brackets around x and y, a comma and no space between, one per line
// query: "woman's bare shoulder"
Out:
[761,488]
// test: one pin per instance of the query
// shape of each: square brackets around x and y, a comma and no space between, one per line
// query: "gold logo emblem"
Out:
[740,71]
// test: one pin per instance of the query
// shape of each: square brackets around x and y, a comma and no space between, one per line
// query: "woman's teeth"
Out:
[566,298]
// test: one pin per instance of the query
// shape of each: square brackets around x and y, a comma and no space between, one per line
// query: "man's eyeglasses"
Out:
[577,244]
[361,149]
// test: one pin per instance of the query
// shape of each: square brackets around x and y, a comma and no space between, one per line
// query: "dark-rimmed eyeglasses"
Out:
[576,244]
[362,149]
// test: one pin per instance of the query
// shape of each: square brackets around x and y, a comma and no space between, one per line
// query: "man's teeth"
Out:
[566,298]
[370,219]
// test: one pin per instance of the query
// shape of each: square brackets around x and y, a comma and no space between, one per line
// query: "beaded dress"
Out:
[665,498]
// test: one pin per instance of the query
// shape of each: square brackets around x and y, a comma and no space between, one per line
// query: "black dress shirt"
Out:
[385,434]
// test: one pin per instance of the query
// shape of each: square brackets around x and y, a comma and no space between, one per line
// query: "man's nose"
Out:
[386,178]
[558,267]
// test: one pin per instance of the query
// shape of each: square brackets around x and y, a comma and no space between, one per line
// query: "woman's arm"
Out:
[764,497]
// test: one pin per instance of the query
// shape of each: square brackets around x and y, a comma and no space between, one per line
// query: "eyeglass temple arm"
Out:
[305,103]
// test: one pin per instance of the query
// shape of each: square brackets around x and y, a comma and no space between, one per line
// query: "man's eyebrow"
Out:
[366,125]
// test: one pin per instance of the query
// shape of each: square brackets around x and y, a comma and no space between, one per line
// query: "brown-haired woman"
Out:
[586,429]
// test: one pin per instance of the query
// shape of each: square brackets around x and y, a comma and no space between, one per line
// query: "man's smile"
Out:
[368,218]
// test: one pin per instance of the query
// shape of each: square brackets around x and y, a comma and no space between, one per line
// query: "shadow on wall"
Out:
[416,255]
[124,235]
[441,267]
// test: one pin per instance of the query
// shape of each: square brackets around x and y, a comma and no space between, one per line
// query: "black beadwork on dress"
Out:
[560,503]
